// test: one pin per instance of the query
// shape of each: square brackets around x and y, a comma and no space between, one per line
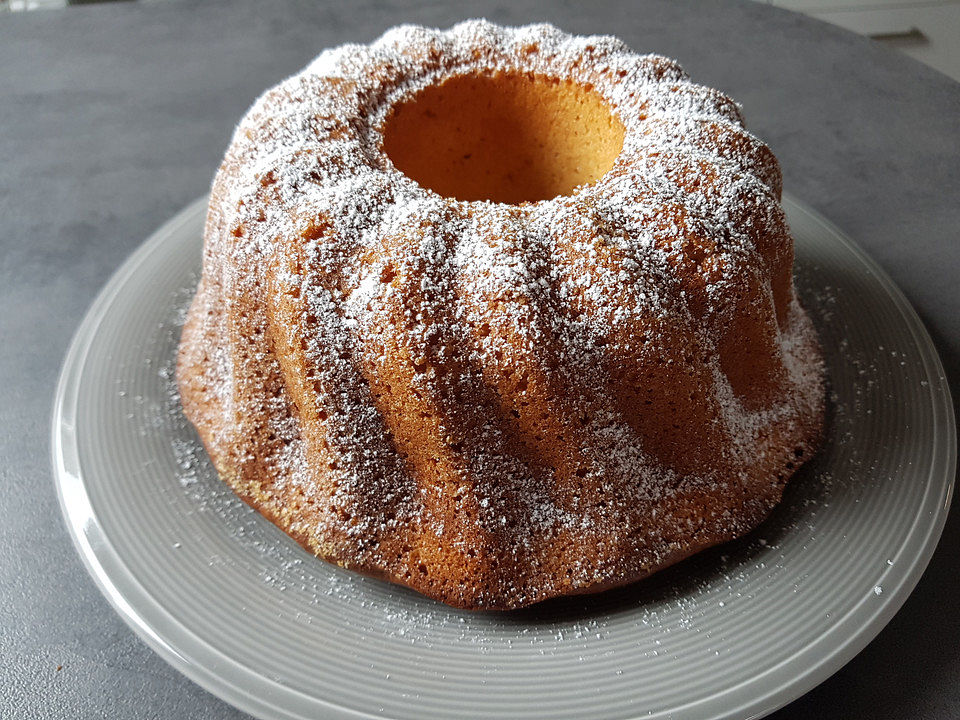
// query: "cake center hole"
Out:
[506,137]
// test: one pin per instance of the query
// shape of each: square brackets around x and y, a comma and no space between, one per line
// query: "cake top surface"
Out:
[317,140]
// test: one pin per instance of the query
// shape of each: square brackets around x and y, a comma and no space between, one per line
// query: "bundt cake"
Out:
[500,314]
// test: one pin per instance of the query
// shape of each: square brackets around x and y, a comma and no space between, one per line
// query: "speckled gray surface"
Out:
[114,117]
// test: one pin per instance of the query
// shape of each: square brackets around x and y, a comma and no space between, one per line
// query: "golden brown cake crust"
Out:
[491,403]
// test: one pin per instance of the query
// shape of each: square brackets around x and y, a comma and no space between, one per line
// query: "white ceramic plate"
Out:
[738,631]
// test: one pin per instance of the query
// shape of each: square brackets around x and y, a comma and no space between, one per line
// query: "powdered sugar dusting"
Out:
[324,264]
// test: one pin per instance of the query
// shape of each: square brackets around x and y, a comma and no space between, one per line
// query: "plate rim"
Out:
[244,688]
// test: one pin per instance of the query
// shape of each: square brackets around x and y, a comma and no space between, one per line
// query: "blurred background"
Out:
[928,30]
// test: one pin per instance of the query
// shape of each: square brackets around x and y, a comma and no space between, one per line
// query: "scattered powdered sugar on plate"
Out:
[663,610]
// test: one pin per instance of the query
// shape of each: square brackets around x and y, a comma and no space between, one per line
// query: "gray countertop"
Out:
[114,117]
